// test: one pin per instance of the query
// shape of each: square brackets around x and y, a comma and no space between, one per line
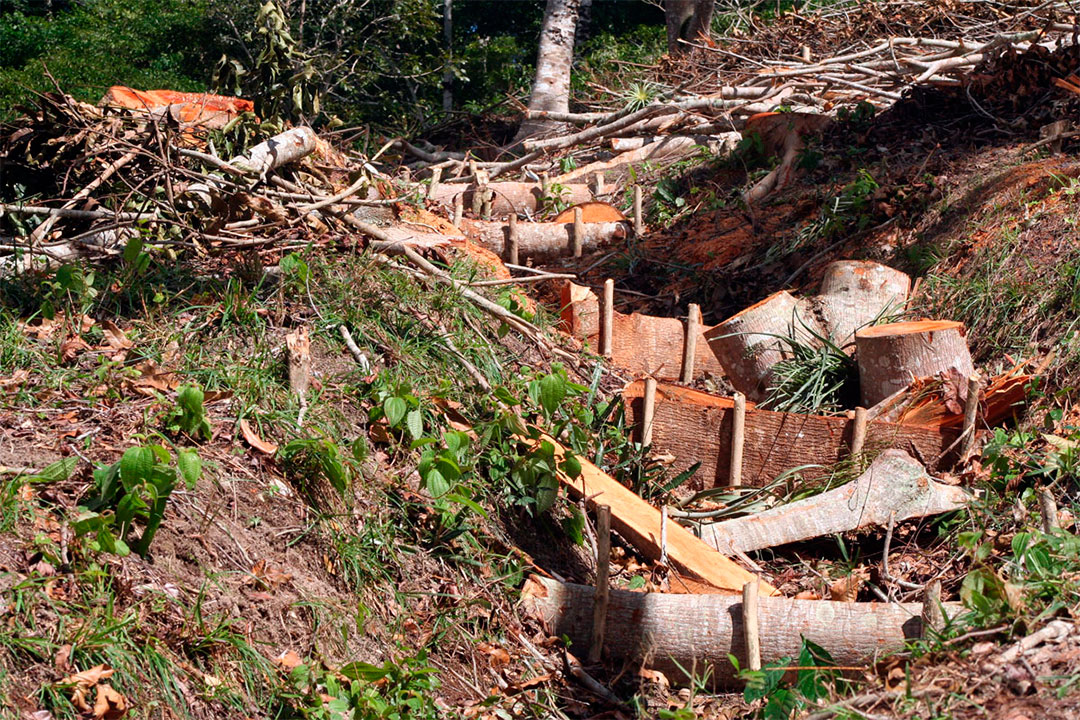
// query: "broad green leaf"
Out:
[136,465]
[190,467]
[394,408]
[133,248]
[436,484]
[571,466]
[414,421]
[58,471]
[552,392]
[546,492]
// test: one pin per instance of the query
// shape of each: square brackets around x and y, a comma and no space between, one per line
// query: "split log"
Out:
[510,197]
[855,293]
[591,212]
[640,524]
[696,426]
[543,241]
[750,342]
[892,356]
[672,633]
[895,484]
[640,344]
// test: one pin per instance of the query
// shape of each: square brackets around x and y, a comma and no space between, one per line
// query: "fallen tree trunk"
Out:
[640,344]
[892,356]
[511,197]
[894,485]
[750,342]
[695,426]
[677,633]
[543,241]
[855,293]
[641,525]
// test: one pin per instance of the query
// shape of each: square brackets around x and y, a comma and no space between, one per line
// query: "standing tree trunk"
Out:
[448,46]
[687,20]
[551,88]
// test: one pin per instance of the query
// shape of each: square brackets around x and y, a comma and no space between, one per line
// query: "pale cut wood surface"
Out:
[894,483]
[700,631]
[639,523]
[695,426]
[854,293]
[891,356]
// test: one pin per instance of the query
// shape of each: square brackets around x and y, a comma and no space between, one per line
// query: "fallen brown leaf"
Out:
[83,682]
[252,439]
[287,660]
[109,704]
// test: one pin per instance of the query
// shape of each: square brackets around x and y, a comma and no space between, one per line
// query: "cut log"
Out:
[640,344]
[749,343]
[855,293]
[280,150]
[511,197]
[591,212]
[672,633]
[543,241]
[894,484]
[639,523]
[694,426]
[892,356]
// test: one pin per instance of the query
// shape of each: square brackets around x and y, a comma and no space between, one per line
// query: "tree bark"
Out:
[749,343]
[892,356]
[542,241]
[893,484]
[855,293]
[551,88]
[674,633]
[513,197]
[695,426]
[448,46]
[686,20]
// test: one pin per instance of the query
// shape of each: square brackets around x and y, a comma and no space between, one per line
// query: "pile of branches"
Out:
[80,180]
[873,52]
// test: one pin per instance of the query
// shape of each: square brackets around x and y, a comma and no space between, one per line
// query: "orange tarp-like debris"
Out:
[188,108]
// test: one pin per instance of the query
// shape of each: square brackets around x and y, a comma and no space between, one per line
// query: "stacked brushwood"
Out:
[83,181]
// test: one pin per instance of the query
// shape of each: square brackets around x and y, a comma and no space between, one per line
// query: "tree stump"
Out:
[749,343]
[854,293]
[891,356]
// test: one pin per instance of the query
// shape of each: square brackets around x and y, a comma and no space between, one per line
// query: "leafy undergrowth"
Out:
[158,552]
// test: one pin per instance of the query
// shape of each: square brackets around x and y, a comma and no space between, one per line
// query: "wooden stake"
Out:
[436,176]
[607,318]
[648,411]
[738,431]
[579,232]
[512,251]
[663,535]
[545,180]
[485,204]
[1048,507]
[639,221]
[933,619]
[598,184]
[600,598]
[751,636]
[693,327]
[459,208]
[858,431]
[971,412]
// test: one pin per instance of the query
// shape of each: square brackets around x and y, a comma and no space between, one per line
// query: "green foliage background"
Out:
[377,61]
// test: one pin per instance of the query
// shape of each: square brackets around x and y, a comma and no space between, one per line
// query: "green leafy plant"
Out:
[814,680]
[554,200]
[188,416]
[307,460]
[815,376]
[71,289]
[134,490]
